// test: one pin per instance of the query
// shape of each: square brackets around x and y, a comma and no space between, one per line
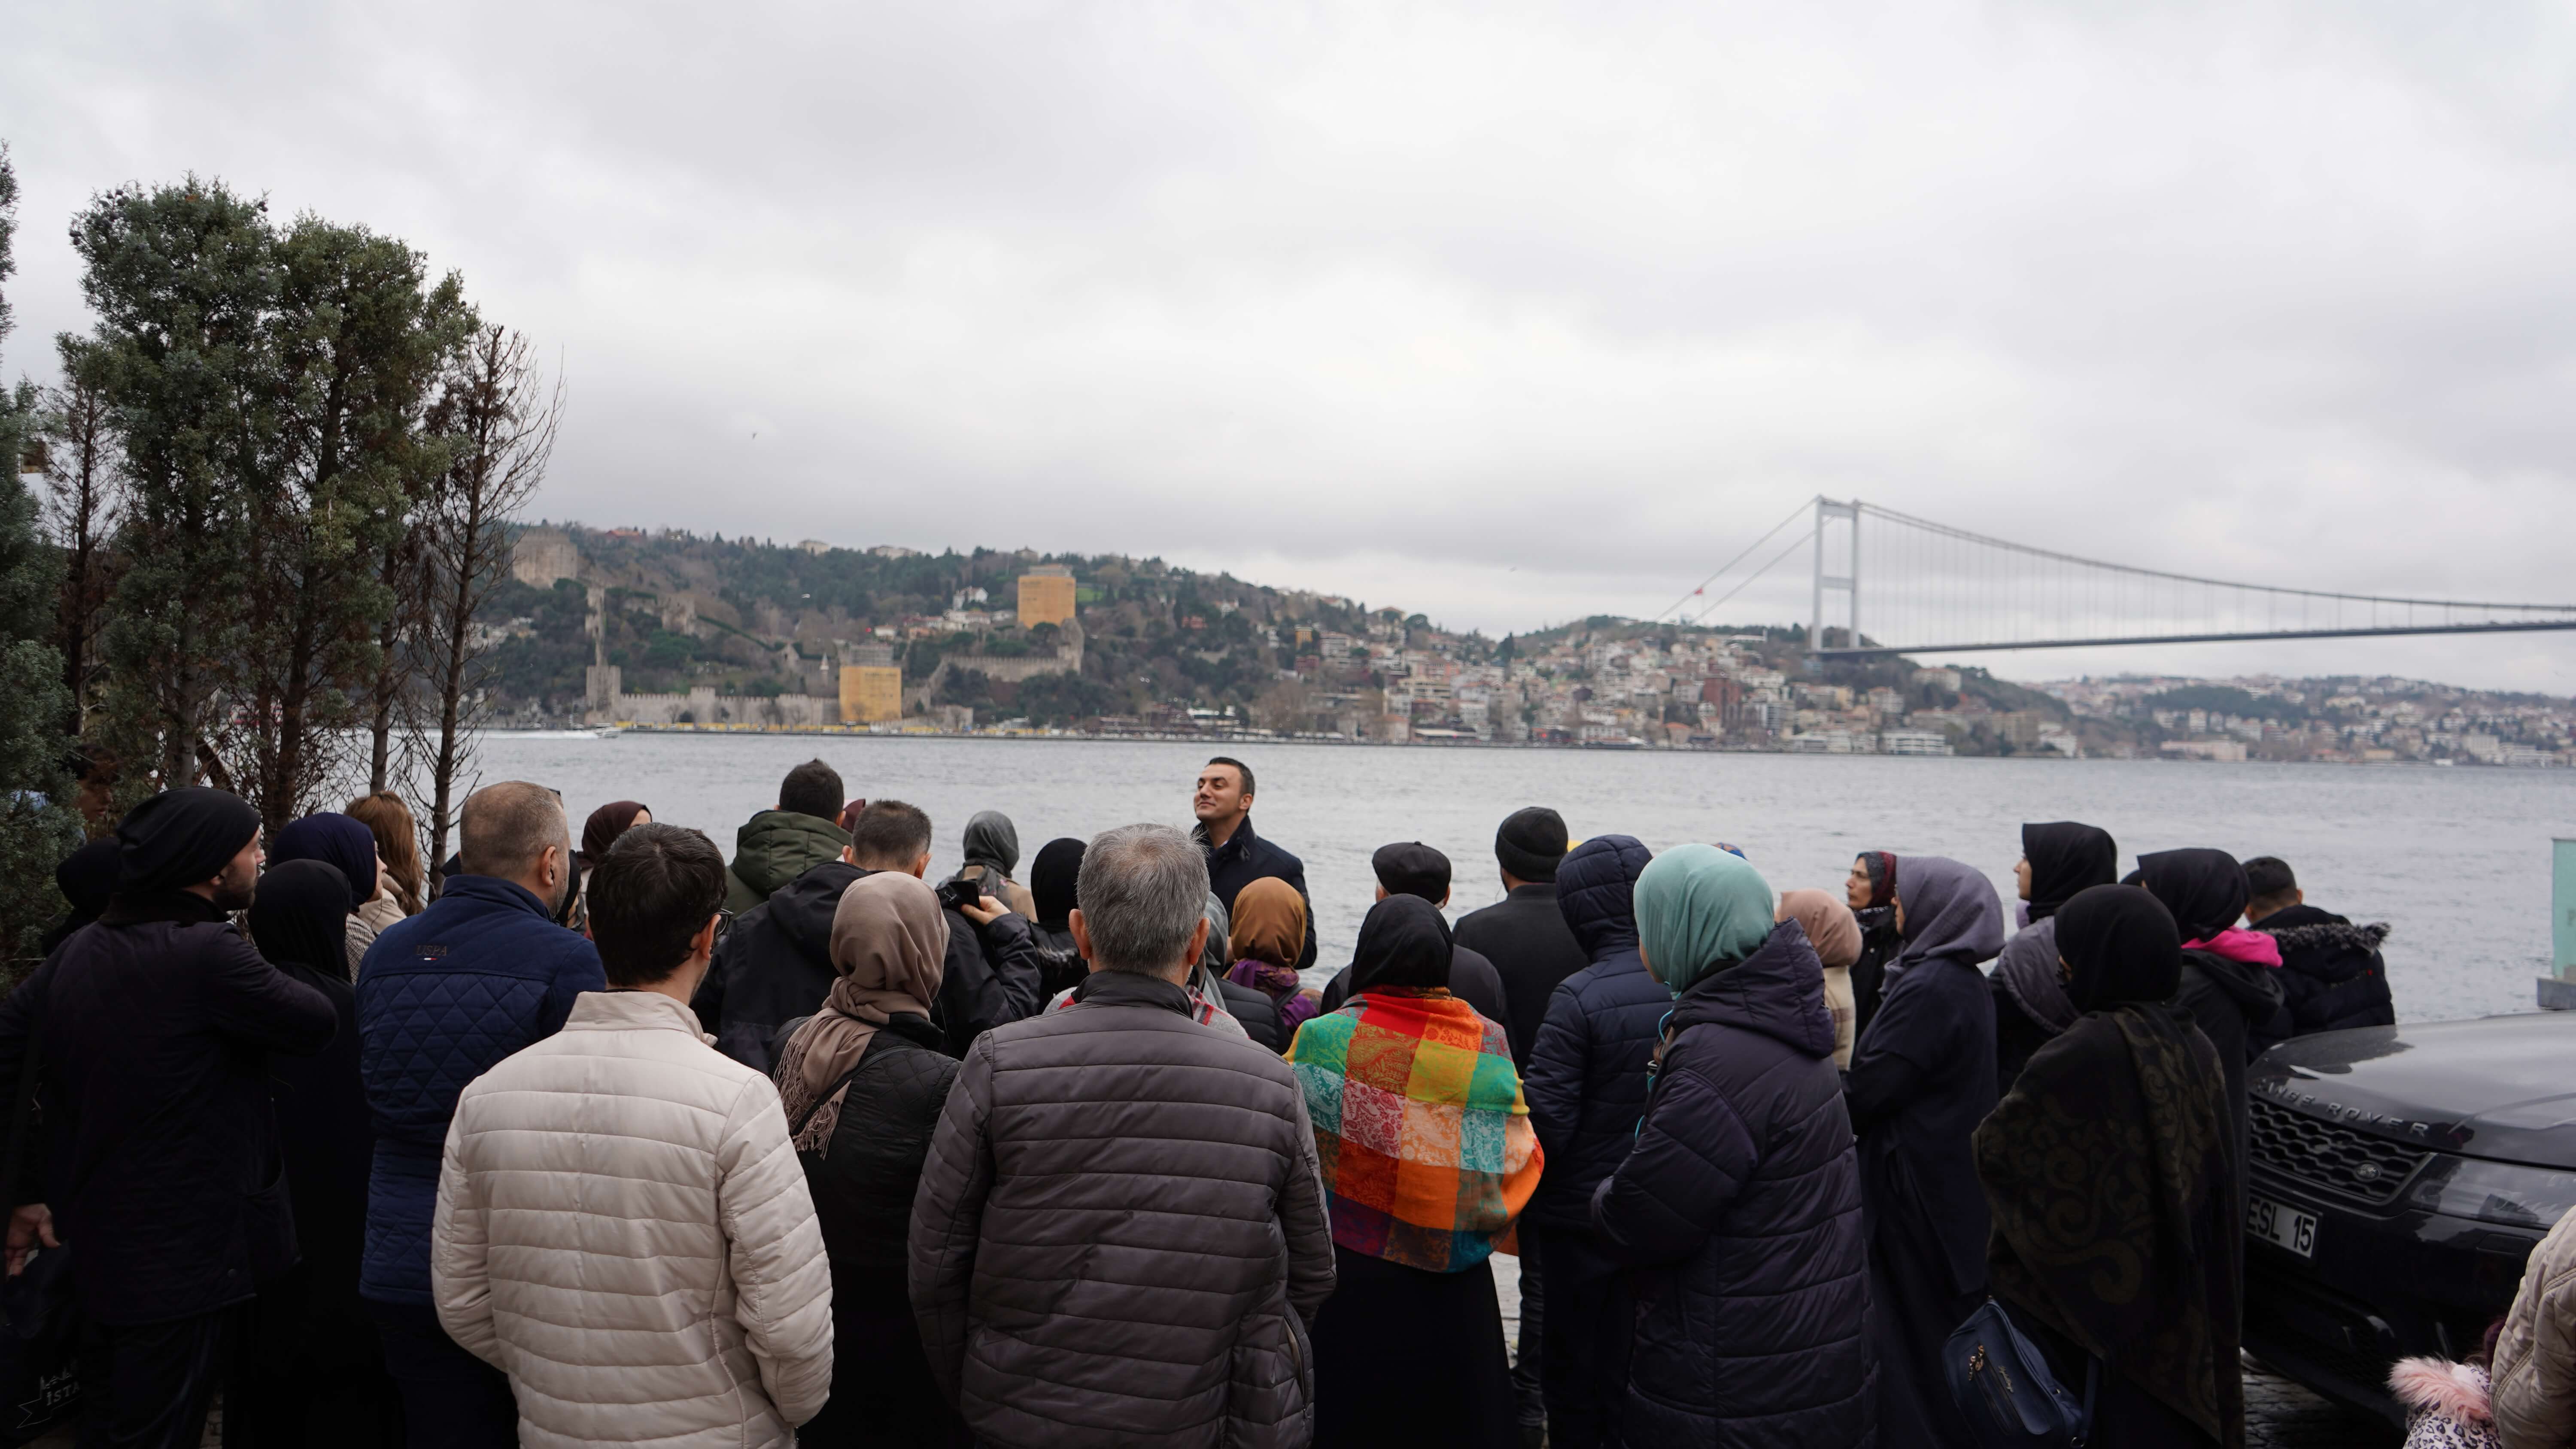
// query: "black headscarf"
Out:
[2123,946]
[2106,1168]
[2204,889]
[182,837]
[86,877]
[1051,880]
[300,917]
[2066,857]
[1881,865]
[1403,942]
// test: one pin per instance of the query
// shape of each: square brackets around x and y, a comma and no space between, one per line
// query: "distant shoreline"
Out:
[1341,742]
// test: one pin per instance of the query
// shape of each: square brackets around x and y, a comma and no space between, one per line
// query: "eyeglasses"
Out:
[724,923]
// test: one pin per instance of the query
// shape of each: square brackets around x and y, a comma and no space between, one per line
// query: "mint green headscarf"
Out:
[1700,909]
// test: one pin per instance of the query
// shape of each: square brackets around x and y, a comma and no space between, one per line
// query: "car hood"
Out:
[2495,1087]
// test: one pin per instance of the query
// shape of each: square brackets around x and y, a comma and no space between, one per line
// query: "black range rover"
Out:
[2400,1177]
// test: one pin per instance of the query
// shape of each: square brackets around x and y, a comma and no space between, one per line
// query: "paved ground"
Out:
[2278,1413]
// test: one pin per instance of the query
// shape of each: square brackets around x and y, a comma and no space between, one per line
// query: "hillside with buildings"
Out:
[665,629]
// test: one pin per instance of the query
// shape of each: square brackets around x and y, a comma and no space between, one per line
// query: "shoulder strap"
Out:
[2092,1381]
[867,1059]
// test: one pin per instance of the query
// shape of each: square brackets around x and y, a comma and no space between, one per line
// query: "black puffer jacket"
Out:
[2333,976]
[1120,1235]
[774,966]
[1585,1081]
[882,1391]
[1742,1202]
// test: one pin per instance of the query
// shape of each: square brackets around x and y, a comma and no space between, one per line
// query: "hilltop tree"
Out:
[36,829]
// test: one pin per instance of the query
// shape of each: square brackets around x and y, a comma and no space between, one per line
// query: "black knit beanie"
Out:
[181,837]
[1530,843]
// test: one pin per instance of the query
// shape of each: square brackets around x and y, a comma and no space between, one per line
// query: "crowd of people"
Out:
[602,1139]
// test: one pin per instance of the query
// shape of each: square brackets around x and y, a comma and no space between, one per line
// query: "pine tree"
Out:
[183,280]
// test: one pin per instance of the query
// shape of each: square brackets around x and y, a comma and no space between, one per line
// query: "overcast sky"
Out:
[1506,314]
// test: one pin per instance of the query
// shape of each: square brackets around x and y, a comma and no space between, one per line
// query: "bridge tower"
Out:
[1847,583]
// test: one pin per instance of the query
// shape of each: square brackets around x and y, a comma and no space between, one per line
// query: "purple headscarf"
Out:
[333,839]
[1951,912]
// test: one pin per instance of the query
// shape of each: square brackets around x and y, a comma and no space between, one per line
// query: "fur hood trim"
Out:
[2456,1391]
[2331,934]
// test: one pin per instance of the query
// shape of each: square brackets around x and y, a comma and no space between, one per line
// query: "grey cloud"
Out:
[1540,310]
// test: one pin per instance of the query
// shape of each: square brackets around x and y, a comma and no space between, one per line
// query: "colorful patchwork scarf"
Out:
[1425,1144]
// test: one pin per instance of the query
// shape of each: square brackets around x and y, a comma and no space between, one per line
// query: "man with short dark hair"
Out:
[2332,975]
[442,996]
[622,1224]
[1411,868]
[776,846]
[1236,856]
[150,1030]
[1116,1143]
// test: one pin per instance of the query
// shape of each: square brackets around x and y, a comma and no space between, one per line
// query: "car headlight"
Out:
[2494,1192]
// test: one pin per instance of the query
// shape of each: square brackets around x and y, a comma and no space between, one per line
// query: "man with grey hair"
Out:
[442,998]
[1120,1236]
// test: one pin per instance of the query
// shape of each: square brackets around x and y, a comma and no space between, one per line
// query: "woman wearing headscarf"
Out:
[344,842]
[1051,881]
[1870,891]
[1922,1078]
[86,877]
[598,833]
[1427,1156]
[1835,934]
[316,1371]
[992,853]
[1269,930]
[398,846]
[2231,981]
[1740,1204]
[862,1082]
[2057,860]
[2115,1234]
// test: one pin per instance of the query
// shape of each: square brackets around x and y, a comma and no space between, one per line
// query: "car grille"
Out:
[2339,1160]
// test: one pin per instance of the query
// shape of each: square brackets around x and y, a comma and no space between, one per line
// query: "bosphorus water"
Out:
[2456,860]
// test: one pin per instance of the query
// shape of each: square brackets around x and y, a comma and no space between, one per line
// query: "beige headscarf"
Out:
[890,946]
[1835,933]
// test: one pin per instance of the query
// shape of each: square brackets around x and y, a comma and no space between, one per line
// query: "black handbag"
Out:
[39,1384]
[2005,1391]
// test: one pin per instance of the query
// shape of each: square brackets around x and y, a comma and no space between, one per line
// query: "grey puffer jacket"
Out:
[1120,1235]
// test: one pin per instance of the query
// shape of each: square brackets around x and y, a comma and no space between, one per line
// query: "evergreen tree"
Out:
[357,340]
[183,280]
[36,829]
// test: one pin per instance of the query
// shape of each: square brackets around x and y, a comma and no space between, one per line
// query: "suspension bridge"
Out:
[1887,583]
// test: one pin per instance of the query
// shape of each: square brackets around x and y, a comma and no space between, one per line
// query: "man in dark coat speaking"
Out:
[1236,857]
[151,1029]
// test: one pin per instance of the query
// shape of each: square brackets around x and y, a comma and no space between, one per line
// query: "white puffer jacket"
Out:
[623,1228]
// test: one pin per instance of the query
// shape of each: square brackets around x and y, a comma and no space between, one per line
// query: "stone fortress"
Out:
[853,682]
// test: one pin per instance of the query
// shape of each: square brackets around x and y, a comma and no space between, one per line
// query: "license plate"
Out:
[2281,1225]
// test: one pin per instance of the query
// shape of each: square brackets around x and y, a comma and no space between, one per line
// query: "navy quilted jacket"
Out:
[1741,1203]
[442,998]
[1585,1080]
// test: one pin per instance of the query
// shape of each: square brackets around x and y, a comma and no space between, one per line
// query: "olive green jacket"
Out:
[773,848]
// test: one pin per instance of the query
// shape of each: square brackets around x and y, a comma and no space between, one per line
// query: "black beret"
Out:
[1411,868]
